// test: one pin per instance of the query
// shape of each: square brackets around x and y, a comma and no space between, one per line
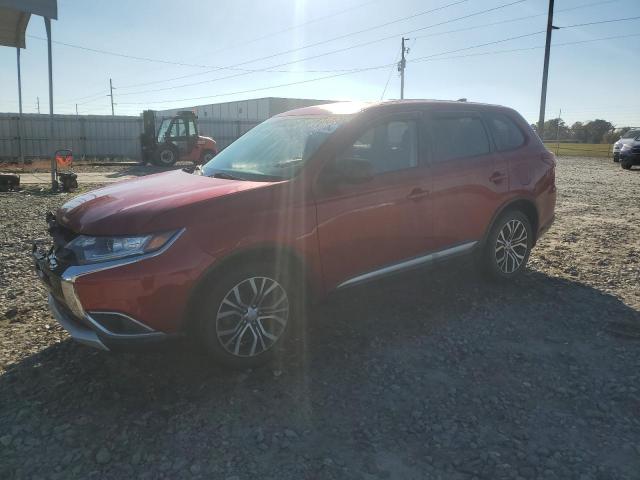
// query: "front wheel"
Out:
[246,313]
[508,246]
[166,156]
[625,165]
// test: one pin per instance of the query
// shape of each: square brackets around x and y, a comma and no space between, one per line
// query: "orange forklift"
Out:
[175,139]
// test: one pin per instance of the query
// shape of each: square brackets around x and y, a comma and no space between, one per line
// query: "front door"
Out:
[180,137]
[369,226]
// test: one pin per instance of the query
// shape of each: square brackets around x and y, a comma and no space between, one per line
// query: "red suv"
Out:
[312,200]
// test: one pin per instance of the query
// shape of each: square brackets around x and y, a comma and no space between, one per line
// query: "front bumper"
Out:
[630,156]
[85,327]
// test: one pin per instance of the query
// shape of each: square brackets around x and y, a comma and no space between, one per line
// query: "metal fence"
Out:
[93,136]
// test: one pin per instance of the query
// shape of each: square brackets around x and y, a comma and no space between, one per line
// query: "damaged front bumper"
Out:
[104,330]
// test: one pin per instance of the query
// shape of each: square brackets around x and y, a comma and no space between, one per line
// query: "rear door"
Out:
[369,226]
[468,179]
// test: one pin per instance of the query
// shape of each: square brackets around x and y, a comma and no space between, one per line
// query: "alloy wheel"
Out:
[511,246]
[252,316]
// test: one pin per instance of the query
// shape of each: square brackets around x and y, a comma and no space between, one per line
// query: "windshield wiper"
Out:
[226,176]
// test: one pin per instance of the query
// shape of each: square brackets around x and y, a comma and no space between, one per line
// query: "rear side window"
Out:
[505,132]
[459,136]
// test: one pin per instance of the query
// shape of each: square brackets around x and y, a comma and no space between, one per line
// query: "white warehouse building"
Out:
[253,110]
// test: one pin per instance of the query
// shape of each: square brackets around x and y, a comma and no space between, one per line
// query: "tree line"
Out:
[593,131]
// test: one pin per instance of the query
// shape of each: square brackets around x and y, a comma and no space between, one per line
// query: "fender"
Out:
[259,251]
[520,201]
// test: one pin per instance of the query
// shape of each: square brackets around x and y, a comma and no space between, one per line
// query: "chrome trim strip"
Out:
[137,322]
[407,264]
[79,333]
[110,334]
[73,272]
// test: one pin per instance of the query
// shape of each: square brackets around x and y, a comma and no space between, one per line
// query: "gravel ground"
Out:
[431,375]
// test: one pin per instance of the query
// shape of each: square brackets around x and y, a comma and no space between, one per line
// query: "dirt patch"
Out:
[432,375]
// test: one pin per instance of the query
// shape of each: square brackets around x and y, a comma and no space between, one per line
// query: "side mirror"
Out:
[348,170]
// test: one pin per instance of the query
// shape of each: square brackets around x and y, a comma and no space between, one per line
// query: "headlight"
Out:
[102,249]
[625,147]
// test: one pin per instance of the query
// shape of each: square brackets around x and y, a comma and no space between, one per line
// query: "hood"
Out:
[145,205]
[623,141]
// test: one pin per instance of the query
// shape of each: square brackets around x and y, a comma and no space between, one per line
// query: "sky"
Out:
[332,49]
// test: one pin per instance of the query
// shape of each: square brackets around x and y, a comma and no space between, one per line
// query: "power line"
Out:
[294,27]
[318,55]
[426,58]
[234,67]
[511,20]
[512,50]
[601,21]
[340,37]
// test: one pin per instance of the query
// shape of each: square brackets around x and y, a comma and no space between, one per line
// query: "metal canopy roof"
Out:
[15,15]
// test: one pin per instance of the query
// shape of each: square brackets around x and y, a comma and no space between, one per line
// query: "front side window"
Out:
[387,147]
[276,149]
[459,136]
[505,132]
[162,131]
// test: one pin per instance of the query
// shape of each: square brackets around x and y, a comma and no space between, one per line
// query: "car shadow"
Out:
[369,352]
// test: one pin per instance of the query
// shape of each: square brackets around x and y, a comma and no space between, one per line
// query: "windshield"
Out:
[631,134]
[163,129]
[276,149]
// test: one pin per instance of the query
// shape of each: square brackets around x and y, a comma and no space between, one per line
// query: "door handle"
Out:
[417,194]
[497,177]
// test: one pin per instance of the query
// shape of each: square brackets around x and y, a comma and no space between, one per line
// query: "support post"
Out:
[111,95]
[545,71]
[54,181]
[20,149]
[401,67]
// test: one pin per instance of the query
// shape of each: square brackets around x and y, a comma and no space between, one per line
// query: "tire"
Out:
[625,165]
[166,156]
[206,156]
[242,331]
[511,225]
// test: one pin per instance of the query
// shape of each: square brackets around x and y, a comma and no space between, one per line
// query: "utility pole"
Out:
[545,70]
[111,95]
[401,66]
[76,109]
[20,109]
[38,104]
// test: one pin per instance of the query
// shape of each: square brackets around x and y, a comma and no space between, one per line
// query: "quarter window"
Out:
[505,132]
[458,136]
[388,147]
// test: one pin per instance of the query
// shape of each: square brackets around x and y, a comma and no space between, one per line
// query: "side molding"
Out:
[409,264]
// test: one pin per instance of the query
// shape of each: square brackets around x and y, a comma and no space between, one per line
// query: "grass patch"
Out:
[580,149]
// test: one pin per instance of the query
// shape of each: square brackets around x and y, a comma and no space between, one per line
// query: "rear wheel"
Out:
[166,156]
[246,313]
[508,245]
